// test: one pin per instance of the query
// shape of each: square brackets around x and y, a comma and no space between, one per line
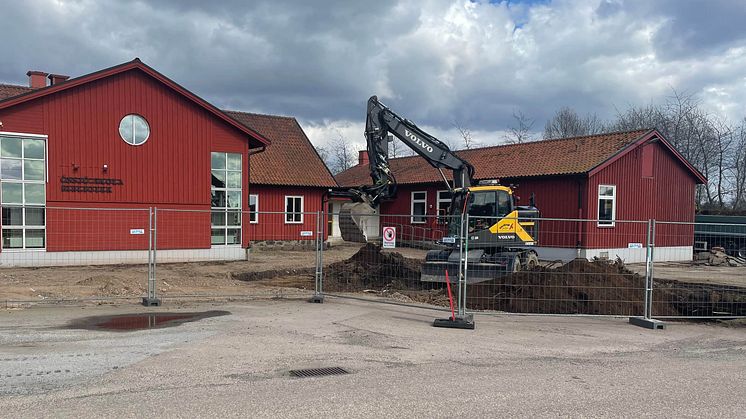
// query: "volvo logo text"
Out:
[417,141]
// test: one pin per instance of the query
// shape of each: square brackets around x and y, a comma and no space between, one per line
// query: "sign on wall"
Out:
[389,237]
[306,233]
[88,184]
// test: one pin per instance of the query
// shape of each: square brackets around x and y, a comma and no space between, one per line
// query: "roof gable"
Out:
[291,160]
[564,156]
[136,64]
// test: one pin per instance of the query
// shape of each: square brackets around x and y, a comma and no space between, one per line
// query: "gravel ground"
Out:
[237,365]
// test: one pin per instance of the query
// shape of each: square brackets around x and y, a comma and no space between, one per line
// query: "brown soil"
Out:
[578,287]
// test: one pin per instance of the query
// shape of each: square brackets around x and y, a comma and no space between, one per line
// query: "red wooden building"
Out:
[83,159]
[616,182]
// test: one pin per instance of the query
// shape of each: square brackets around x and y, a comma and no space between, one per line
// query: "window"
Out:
[443,203]
[253,209]
[293,209]
[606,205]
[504,205]
[134,129]
[23,192]
[226,198]
[482,204]
[419,207]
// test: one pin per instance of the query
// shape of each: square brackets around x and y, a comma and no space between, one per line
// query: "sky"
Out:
[436,62]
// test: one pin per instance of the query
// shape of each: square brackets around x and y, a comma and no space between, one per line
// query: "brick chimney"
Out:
[362,158]
[57,79]
[37,79]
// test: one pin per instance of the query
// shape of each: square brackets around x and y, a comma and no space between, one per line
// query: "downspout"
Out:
[581,224]
[250,153]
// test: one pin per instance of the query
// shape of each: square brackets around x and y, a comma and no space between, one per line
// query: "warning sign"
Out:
[389,237]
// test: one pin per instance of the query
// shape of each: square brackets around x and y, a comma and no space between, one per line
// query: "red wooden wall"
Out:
[170,170]
[667,195]
[271,218]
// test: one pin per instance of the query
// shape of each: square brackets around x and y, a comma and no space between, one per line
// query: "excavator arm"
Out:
[379,123]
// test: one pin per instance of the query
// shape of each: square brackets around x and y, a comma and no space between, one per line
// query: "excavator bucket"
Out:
[354,219]
[477,269]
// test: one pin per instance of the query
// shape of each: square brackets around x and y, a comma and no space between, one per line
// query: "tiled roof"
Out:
[564,156]
[290,159]
[10,90]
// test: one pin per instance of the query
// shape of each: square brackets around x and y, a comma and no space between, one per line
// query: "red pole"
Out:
[450,296]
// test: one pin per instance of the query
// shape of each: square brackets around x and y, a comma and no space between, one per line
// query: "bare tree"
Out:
[521,130]
[703,139]
[469,141]
[567,123]
[738,166]
[338,154]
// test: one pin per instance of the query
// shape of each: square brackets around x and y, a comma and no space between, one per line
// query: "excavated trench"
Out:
[577,287]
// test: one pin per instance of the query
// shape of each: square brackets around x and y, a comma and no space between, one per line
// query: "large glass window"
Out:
[606,205]
[419,207]
[23,192]
[293,209]
[226,198]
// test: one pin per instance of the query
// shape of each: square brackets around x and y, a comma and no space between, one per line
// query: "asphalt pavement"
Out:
[399,365]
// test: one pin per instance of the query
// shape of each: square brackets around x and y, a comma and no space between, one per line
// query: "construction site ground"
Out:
[268,272]
[238,365]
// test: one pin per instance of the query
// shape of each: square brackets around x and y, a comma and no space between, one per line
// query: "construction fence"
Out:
[641,268]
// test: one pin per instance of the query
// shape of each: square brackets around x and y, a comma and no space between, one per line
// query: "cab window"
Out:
[504,204]
[483,204]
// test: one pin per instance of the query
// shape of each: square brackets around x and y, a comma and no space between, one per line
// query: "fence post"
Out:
[649,271]
[151,299]
[462,320]
[646,320]
[318,296]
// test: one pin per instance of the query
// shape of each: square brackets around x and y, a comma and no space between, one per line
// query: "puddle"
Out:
[140,321]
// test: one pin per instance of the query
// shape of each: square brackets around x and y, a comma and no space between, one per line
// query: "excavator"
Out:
[500,233]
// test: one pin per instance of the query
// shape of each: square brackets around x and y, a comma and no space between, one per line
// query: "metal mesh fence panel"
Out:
[699,270]
[383,256]
[59,253]
[234,253]
[575,267]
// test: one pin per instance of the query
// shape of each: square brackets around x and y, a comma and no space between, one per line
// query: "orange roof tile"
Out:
[10,90]
[564,156]
[290,159]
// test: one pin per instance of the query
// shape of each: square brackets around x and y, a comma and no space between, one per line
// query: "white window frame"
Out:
[295,210]
[23,205]
[439,200]
[256,209]
[225,209]
[411,208]
[612,198]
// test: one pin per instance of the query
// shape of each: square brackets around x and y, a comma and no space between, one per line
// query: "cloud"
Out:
[436,62]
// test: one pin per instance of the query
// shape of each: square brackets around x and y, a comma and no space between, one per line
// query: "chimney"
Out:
[57,79]
[37,79]
[362,158]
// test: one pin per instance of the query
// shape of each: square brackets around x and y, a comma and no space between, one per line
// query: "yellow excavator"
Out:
[500,233]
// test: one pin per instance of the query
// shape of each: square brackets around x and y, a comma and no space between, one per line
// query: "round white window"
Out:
[134,129]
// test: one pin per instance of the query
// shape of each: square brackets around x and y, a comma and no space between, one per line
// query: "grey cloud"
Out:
[435,61]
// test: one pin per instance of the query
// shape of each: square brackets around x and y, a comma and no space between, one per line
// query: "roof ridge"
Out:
[20,86]
[549,140]
[259,114]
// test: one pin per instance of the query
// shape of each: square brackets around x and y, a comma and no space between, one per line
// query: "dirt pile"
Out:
[577,287]
[386,274]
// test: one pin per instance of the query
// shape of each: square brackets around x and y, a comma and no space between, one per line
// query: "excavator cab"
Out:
[499,233]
